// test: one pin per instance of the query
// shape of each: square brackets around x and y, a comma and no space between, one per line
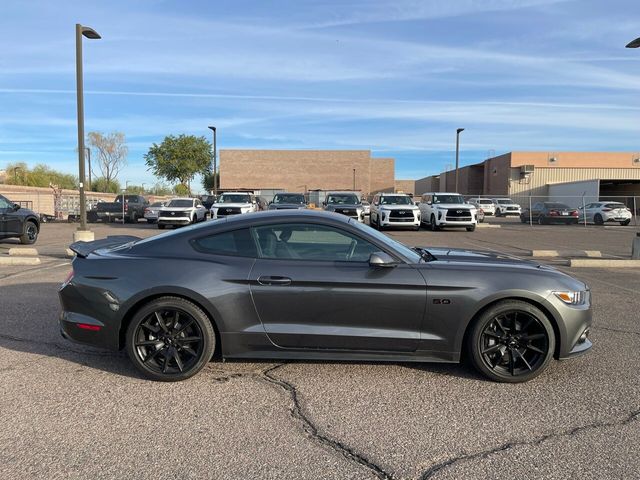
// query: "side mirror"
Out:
[16,207]
[381,260]
[324,204]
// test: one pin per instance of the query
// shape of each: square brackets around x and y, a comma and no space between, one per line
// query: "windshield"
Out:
[407,252]
[235,198]
[484,201]
[448,199]
[504,201]
[288,198]
[180,203]
[343,199]
[395,200]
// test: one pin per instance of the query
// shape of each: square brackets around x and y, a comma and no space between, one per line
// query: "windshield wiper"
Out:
[424,254]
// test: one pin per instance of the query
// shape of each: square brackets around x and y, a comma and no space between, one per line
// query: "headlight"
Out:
[572,298]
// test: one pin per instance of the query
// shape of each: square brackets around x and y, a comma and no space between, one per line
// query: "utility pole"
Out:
[215,177]
[354,179]
[457,154]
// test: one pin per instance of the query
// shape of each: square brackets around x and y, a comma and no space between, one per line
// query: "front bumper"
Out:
[572,323]
[174,220]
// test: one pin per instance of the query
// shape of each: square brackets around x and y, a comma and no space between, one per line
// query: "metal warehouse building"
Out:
[544,174]
[305,170]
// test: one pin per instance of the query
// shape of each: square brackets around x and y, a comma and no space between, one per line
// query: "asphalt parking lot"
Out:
[70,411]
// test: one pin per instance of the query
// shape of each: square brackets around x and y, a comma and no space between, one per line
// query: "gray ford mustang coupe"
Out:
[314,285]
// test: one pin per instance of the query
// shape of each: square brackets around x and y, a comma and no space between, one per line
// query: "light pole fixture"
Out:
[634,44]
[215,178]
[93,35]
[126,185]
[458,131]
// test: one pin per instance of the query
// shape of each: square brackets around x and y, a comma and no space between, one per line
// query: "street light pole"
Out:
[91,34]
[354,179]
[215,178]
[457,154]
[89,161]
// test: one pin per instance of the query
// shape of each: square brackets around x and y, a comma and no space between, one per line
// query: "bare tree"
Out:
[112,153]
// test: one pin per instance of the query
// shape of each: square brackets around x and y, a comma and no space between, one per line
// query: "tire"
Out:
[372,223]
[471,229]
[194,219]
[170,339]
[29,233]
[541,220]
[597,219]
[416,228]
[523,220]
[161,226]
[134,218]
[494,340]
[625,222]
[432,223]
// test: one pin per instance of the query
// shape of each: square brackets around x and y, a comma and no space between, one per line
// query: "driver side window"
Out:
[311,242]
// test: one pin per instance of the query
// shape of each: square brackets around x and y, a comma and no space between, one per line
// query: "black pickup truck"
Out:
[133,209]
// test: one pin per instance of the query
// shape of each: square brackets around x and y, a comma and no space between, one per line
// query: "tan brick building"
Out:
[520,174]
[300,170]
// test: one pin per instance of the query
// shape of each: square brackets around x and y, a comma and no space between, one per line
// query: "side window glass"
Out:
[237,243]
[311,242]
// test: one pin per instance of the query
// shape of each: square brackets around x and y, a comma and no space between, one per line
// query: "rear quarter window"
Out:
[238,243]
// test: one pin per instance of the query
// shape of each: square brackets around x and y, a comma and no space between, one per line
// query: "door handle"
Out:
[273,280]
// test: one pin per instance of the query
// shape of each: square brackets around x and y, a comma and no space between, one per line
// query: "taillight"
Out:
[126,207]
[146,210]
[574,213]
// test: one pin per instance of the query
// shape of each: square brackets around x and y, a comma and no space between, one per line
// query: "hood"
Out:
[232,205]
[286,206]
[454,205]
[339,206]
[479,256]
[398,207]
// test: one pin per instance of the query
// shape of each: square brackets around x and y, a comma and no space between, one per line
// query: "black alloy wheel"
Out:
[29,233]
[541,220]
[513,341]
[597,219]
[170,339]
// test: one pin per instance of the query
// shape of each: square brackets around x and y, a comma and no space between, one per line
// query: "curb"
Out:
[603,263]
[22,252]
[559,253]
[19,260]
[487,225]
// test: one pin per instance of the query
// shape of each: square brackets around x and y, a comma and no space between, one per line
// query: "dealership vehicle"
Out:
[366,208]
[151,212]
[181,211]
[603,212]
[395,210]
[486,204]
[134,206]
[346,203]
[288,201]
[505,207]
[233,203]
[480,215]
[544,213]
[304,284]
[18,222]
[439,210]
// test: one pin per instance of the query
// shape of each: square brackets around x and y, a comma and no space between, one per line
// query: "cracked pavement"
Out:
[70,411]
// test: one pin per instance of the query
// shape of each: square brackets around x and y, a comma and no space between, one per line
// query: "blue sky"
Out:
[397,77]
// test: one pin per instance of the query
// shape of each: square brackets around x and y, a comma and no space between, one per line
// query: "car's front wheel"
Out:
[433,224]
[170,339]
[512,341]
[624,223]
[597,219]
[29,233]
[471,229]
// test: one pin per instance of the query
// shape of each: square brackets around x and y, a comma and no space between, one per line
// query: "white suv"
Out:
[486,204]
[439,210]
[394,210]
[506,206]
[233,203]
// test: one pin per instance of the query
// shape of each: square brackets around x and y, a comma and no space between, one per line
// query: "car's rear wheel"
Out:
[597,219]
[513,341]
[170,339]
[624,223]
[541,220]
[29,233]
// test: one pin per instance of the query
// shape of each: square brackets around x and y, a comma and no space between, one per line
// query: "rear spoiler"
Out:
[83,249]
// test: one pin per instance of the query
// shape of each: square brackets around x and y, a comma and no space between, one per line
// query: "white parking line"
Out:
[31,270]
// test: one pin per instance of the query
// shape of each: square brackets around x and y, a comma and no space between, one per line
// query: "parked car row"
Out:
[500,207]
